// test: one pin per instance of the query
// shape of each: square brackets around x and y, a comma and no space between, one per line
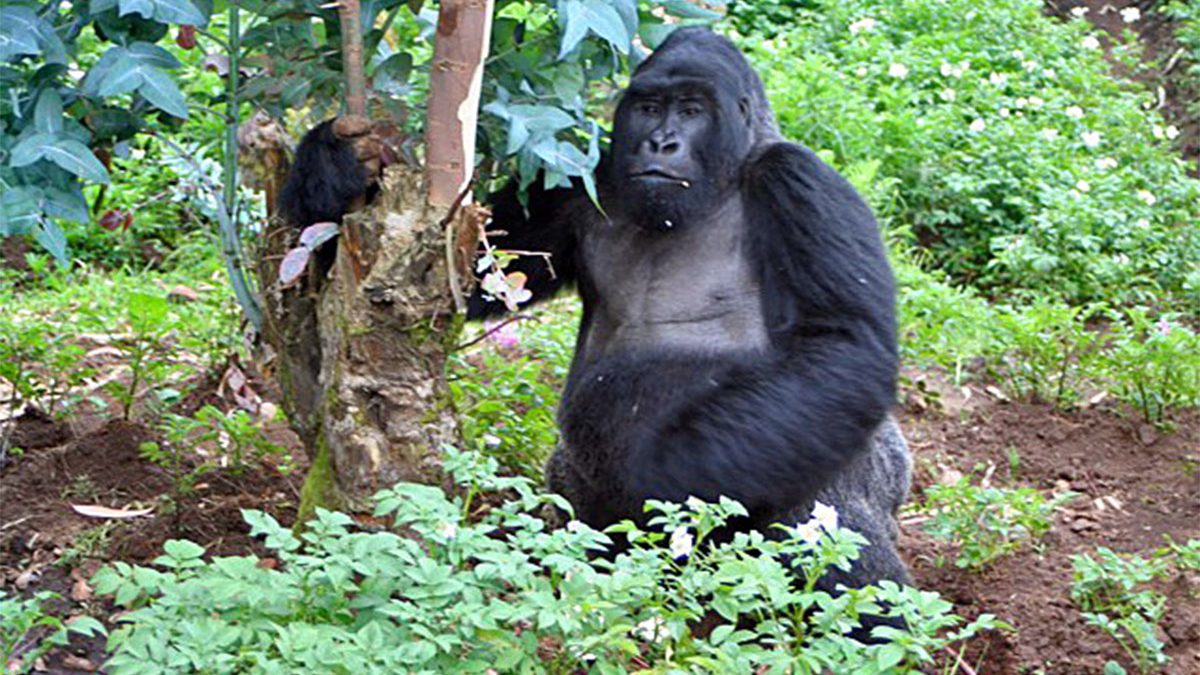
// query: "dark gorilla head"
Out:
[693,113]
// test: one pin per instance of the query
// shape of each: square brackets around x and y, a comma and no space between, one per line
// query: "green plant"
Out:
[146,350]
[27,632]
[171,455]
[1152,363]
[988,523]
[1110,590]
[90,544]
[478,582]
[237,435]
[1025,168]
[1042,351]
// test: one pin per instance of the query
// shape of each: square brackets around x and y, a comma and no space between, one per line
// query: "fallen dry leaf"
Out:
[97,511]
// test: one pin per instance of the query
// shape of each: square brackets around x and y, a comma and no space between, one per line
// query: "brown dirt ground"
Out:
[1096,453]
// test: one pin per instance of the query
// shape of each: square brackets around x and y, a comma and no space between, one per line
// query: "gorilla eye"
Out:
[691,110]
[649,108]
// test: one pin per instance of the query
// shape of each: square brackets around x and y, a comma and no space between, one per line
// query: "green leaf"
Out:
[161,90]
[48,114]
[153,55]
[77,158]
[19,210]
[121,76]
[18,32]
[30,149]
[53,239]
[164,11]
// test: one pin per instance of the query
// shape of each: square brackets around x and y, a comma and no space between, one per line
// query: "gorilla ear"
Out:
[744,107]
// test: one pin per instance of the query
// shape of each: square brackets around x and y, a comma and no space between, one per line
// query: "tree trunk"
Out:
[361,351]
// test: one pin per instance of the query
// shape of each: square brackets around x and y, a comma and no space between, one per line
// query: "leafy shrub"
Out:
[1110,589]
[481,585]
[27,632]
[988,523]
[1031,169]
[1043,350]
[1152,364]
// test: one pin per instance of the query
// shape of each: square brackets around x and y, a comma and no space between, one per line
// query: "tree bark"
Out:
[362,349]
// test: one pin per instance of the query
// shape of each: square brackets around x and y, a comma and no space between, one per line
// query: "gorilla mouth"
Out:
[657,175]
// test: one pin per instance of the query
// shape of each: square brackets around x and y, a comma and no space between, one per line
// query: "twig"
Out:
[14,523]
[494,329]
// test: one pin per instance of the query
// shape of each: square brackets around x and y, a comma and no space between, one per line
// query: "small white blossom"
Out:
[946,69]
[862,25]
[650,630]
[1035,102]
[681,543]
[978,126]
[948,94]
[809,532]
[1083,186]
[491,440]
[1049,134]
[1022,102]
[1130,14]
[1074,194]
[1079,12]
[1172,132]
[1090,42]
[1091,138]
[1163,326]
[898,70]
[1030,66]
[825,515]
[861,71]
[1018,54]
[1049,73]
[447,530]
[1121,259]
[998,79]
[1147,196]
[1142,223]
[1157,132]
[1005,112]
[1106,163]
[1075,112]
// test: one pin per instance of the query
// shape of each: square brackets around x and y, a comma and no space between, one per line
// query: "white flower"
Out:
[825,515]
[1083,186]
[1130,14]
[1091,138]
[1090,42]
[1157,132]
[1005,112]
[1035,102]
[1121,259]
[447,530]
[946,69]
[1172,132]
[1079,12]
[1049,134]
[1142,223]
[898,70]
[948,94]
[681,543]
[1030,66]
[1147,196]
[694,503]
[861,71]
[1075,112]
[491,440]
[1074,194]
[809,532]
[978,126]
[963,66]
[1018,54]
[1049,73]
[1022,102]
[998,78]
[650,630]
[1106,163]
[862,24]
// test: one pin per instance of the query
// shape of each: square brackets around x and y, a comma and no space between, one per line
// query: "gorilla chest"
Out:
[691,288]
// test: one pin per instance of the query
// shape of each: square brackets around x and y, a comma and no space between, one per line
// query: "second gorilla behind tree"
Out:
[738,334]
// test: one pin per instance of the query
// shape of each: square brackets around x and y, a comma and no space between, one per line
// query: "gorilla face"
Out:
[680,137]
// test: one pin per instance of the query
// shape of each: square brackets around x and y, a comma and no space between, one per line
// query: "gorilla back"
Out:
[738,332]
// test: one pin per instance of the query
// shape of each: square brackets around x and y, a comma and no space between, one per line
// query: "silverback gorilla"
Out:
[738,334]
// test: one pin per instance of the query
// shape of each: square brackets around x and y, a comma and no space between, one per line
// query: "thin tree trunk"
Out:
[362,350]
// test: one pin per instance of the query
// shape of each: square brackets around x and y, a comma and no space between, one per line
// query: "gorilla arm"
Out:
[545,235]
[771,433]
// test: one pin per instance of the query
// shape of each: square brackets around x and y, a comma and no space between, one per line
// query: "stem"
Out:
[350,18]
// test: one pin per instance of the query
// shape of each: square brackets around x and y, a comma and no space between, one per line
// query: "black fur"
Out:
[324,179]
[738,334]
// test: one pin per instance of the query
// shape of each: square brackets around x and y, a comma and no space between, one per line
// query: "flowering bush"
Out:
[1032,169]
[485,586]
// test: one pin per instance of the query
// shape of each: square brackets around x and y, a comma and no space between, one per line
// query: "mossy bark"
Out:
[362,349]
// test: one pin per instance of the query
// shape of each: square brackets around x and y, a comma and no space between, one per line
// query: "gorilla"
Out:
[738,335]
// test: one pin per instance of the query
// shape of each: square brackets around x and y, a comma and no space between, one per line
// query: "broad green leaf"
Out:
[122,76]
[687,10]
[66,203]
[153,55]
[77,158]
[19,210]
[161,90]
[53,239]
[18,32]
[48,114]
[30,149]
[164,11]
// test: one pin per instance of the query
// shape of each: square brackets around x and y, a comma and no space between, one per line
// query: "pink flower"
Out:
[504,336]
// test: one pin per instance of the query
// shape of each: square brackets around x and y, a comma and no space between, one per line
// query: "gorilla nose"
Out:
[668,145]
